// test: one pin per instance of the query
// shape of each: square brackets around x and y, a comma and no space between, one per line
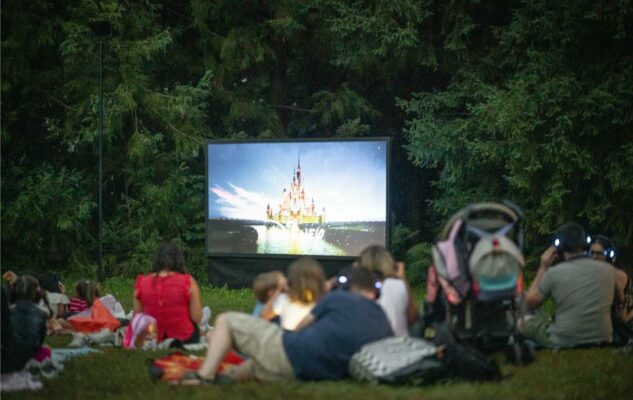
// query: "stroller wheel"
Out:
[528,354]
[515,353]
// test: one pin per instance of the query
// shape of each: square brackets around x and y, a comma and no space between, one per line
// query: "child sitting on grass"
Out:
[306,285]
[26,328]
[86,292]
[265,286]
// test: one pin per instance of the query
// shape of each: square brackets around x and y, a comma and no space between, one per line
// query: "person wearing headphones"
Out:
[581,288]
[602,249]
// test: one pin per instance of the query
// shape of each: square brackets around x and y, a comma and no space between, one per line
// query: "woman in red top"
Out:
[170,295]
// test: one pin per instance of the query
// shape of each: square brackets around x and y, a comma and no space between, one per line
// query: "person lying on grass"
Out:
[336,328]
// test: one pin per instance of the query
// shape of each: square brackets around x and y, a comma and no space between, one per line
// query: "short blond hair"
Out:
[377,259]
[263,283]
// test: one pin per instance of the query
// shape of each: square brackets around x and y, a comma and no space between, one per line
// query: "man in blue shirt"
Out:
[338,326]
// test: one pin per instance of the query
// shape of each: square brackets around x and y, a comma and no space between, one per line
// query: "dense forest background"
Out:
[530,101]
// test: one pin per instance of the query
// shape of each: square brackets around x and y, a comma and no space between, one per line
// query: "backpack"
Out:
[396,360]
[462,361]
[452,270]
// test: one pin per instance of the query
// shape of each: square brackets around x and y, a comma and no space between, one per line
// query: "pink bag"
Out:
[142,328]
[451,267]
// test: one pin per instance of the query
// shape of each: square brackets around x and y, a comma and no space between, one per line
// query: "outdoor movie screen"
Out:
[316,197]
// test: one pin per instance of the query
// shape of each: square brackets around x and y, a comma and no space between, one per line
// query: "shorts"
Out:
[262,341]
[535,328]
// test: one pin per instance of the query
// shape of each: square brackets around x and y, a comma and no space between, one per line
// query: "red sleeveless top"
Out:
[166,298]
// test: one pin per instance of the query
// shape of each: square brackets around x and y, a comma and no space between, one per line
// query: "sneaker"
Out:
[79,340]
[119,335]
[105,336]
[149,345]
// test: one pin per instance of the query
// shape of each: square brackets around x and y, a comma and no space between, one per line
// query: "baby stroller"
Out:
[476,283]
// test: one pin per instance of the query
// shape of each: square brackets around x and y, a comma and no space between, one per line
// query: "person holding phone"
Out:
[581,288]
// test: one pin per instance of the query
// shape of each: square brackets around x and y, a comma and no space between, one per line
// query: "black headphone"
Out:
[609,251]
[344,277]
[560,241]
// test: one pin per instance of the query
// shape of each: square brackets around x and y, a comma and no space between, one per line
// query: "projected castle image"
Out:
[294,208]
[319,198]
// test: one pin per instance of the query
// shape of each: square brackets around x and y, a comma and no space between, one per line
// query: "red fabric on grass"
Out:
[100,318]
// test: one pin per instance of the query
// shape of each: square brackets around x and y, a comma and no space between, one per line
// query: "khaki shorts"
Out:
[536,327]
[262,341]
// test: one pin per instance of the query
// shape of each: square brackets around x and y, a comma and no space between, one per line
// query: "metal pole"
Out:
[100,272]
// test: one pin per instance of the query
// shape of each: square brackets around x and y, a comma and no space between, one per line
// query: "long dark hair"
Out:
[169,257]
[87,290]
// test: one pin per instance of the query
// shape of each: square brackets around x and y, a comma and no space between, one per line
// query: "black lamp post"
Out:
[103,30]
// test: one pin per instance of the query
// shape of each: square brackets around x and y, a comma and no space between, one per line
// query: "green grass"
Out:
[123,374]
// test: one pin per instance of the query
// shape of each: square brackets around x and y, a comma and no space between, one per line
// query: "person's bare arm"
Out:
[268,311]
[137,305]
[195,304]
[620,284]
[413,312]
[534,297]
[306,321]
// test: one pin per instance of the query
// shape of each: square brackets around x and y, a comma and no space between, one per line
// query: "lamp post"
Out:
[102,29]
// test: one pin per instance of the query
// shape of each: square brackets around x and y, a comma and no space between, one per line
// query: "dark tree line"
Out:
[526,100]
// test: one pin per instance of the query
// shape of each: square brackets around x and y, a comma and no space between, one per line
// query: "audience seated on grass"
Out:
[55,293]
[320,349]
[582,290]
[86,292]
[306,283]
[265,286]
[395,298]
[602,249]
[170,295]
[23,322]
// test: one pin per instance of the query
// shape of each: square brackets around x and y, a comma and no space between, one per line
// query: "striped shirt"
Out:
[77,305]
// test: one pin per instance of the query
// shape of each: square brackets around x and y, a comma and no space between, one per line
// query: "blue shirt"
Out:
[344,322]
[257,309]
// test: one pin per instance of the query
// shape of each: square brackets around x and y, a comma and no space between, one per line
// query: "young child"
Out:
[306,285]
[27,324]
[265,286]
[86,292]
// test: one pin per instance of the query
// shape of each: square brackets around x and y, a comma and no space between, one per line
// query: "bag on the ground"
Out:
[396,360]
[100,318]
[141,332]
[464,362]
[174,366]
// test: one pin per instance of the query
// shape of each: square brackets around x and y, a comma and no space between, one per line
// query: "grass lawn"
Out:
[123,374]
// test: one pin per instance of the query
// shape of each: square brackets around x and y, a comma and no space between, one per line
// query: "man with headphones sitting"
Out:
[582,290]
